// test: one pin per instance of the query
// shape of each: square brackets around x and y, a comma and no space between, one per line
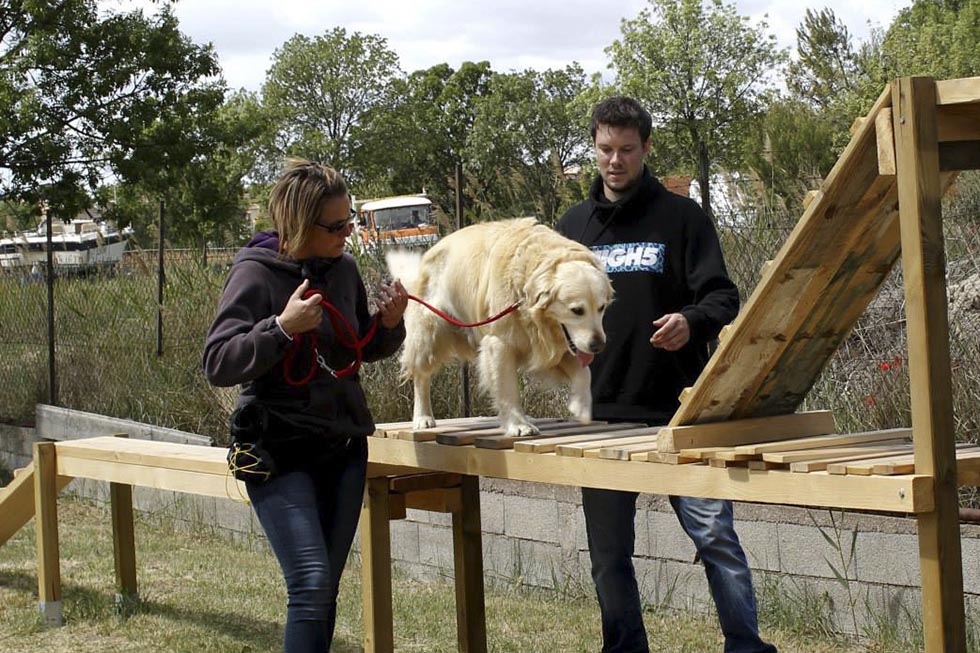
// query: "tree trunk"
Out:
[703,168]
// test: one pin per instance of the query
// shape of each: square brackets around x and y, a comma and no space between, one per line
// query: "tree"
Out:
[826,63]
[703,72]
[203,197]
[83,95]
[319,90]
[938,38]
[525,138]
[414,141]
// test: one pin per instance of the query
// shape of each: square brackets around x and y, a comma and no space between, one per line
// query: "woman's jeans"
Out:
[609,523]
[310,518]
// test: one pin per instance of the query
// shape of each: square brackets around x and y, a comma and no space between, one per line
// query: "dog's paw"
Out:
[581,410]
[522,429]
[423,422]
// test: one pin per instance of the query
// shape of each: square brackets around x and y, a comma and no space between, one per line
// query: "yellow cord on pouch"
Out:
[242,461]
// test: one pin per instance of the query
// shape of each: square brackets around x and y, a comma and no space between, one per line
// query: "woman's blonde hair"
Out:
[297,200]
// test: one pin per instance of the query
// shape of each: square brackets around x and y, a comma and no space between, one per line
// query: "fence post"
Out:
[52,367]
[160,282]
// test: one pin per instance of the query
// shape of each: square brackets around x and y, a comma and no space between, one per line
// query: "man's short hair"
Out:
[621,111]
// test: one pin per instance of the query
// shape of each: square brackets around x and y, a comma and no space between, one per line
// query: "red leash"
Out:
[348,338]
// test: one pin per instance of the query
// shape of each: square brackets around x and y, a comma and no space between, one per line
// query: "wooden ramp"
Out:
[830,267]
[17,501]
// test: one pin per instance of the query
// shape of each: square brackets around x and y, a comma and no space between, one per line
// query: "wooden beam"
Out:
[924,270]
[549,444]
[17,501]
[909,494]
[958,122]
[823,441]
[123,543]
[468,565]
[759,429]
[376,568]
[958,91]
[886,142]
[46,527]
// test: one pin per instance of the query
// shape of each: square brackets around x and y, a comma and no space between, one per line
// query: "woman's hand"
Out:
[301,315]
[392,301]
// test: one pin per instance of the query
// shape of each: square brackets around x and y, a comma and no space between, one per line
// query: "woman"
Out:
[301,402]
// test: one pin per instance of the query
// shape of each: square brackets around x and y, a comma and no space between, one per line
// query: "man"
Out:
[673,296]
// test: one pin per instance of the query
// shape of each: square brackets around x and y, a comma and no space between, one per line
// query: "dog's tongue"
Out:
[583,358]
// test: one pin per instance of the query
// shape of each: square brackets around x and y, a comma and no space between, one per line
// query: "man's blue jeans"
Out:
[310,518]
[609,523]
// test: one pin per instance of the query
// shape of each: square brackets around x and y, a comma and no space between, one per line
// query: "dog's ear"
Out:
[539,291]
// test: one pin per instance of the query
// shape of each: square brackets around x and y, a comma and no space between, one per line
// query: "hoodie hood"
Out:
[645,186]
[263,247]
[265,239]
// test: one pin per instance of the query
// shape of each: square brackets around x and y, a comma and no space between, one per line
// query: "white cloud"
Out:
[510,34]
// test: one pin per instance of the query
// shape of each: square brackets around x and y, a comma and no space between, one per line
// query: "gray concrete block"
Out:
[531,519]
[492,512]
[435,546]
[761,549]
[803,551]
[405,541]
[666,538]
[571,529]
[886,558]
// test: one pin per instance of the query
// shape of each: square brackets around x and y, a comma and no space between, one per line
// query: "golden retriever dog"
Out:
[479,271]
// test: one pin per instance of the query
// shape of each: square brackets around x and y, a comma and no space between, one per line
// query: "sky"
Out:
[510,34]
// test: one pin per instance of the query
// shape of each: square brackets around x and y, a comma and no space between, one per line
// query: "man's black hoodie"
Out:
[662,254]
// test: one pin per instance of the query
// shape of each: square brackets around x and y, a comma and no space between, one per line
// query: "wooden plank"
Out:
[704,453]
[376,568]
[178,480]
[463,438]
[824,441]
[885,139]
[147,453]
[857,451]
[909,494]
[433,500]
[429,481]
[626,451]
[663,458]
[957,123]
[821,464]
[508,441]
[549,444]
[384,429]
[580,449]
[429,434]
[907,466]
[17,501]
[468,567]
[924,274]
[764,429]
[958,91]
[808,199]
[46,530]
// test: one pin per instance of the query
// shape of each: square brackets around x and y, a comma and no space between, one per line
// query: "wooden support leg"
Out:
[468,559]
[924,270]
[124,544]
[46,521]
[376,568]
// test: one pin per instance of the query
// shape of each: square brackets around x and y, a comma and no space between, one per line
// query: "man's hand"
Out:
[301,315]
[673,332]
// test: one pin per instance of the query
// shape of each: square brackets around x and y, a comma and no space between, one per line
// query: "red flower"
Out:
[898,361]
[885,366]
[869,400]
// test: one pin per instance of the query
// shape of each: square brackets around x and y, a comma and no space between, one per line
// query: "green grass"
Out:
[202,593]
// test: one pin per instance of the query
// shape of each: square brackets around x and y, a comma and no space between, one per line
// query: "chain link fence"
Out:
[107,339]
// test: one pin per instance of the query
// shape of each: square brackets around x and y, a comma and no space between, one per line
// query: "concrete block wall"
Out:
[534,534]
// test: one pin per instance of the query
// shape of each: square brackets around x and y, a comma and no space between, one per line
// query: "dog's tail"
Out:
[404,265]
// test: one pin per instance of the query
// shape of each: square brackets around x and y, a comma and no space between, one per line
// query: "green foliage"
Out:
[319,91]
[790,152]
[524,139]
[704,73]
[82,93]
[414,140]
[935,38]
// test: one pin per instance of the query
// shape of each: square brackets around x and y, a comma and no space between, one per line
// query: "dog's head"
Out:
[575,294]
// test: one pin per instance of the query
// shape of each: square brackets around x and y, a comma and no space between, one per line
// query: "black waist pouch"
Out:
[248,458]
